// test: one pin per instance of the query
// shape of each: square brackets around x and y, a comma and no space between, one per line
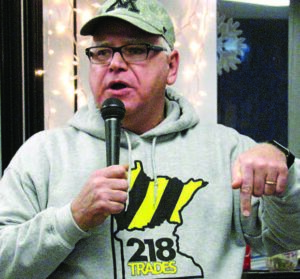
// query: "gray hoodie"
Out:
[182,219]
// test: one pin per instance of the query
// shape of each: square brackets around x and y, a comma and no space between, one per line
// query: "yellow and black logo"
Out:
[146,231]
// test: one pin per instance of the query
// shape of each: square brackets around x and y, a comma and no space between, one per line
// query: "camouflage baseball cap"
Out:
[148,15]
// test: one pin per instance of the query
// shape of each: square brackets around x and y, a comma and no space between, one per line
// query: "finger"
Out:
[110,209]
[118,171]
[245,196]
[236,175]
[119,197]
[101,188]
[109,202]
[114,184]
[115,171]
[116,207]
[259,178]
[247,188]
[270,184]
[115,203]
[282,180]
[270,189]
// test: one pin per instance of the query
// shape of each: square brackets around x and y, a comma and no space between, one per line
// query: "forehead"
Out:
[117,28]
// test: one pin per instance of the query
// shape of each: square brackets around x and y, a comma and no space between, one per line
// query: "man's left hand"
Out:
[262,170]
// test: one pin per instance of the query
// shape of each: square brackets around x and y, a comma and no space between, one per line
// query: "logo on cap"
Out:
[126,4]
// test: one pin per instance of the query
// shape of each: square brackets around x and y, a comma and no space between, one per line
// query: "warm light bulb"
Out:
[39,72]
[86,15]
[202,64]
[53,110]
[189,73]
[85,43]
[56,92]
[194,47]
[96,5]
[60,28]
[203,93]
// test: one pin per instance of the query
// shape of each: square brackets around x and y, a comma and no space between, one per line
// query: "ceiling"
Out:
[242,10]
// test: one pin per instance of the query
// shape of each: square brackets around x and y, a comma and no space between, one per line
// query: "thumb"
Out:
[236,173]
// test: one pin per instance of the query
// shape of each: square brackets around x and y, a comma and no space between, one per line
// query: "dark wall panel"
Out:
[21,91]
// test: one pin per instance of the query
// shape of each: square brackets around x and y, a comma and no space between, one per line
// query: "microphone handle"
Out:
[112,139]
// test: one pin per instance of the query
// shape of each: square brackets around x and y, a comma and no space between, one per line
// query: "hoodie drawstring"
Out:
[129,167]
[154,170]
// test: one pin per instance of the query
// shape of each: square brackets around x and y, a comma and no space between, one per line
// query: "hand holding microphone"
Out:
[105,192]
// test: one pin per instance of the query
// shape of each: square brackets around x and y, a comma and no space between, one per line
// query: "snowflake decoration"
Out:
[230,46]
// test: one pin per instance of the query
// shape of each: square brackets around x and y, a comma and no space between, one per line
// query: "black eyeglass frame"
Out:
[149,47]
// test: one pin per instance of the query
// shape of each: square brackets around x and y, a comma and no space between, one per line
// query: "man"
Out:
[168,209]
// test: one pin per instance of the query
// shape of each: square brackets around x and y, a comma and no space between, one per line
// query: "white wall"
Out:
[195,23]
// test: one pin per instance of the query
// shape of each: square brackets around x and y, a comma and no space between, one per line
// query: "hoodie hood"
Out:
[180,115]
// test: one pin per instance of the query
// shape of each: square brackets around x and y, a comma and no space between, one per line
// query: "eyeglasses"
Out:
[130,53]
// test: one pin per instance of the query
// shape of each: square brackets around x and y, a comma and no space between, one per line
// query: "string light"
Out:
[191,27]
[39,72]
[53,110]
[195,47]
[55,92]
[60,28]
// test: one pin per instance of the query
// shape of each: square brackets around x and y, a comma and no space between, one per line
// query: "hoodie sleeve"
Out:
[274,224]
[281,216]
[34,239]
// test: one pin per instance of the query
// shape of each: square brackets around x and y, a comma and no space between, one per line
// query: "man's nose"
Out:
[117,62]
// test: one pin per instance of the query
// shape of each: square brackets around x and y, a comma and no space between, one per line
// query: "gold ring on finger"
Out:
[269,182]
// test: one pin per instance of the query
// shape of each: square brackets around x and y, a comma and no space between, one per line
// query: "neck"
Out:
[140,125]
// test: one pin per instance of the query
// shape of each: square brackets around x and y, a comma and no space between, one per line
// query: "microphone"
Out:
[112,111]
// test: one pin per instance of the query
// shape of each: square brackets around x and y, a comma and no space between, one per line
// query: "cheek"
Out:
[157,79]
[95,80]
[96,84]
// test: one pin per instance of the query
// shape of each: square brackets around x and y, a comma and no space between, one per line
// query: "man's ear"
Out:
[173,67]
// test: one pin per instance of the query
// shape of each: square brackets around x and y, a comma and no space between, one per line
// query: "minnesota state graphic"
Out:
[144,239]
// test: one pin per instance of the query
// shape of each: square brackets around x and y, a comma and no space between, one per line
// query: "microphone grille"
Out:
[113,108]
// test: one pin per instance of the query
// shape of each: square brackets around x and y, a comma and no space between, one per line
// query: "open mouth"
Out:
[118,86]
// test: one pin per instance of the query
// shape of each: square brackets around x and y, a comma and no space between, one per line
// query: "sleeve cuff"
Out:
[67,227]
